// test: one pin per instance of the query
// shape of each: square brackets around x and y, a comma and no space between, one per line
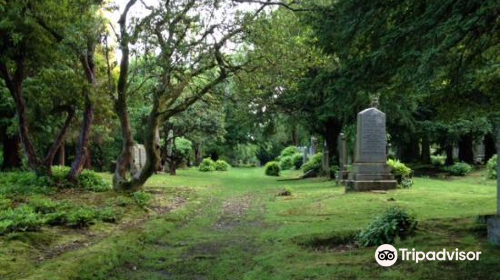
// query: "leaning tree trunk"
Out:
[89,70]
[152,148]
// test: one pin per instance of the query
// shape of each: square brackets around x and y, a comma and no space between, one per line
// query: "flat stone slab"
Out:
[365,186]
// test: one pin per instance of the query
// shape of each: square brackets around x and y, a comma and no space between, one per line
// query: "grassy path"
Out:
[233,226]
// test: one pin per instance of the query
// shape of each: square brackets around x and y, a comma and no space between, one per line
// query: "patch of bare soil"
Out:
[160,206]
[234,211]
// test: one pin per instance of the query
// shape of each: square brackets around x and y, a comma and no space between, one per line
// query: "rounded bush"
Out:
[207,165]
[438,160]
[386,228]
[314,163]
[286,163]
[272,168]
[289,151]
[91,181]
[491,168]
[298,160]
[222,165]
[459,169]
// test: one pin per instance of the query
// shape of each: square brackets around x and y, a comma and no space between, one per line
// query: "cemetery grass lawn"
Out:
[232,225]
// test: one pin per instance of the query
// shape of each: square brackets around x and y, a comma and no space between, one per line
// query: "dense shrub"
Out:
[298,160]
[387,227]
[206,165]
[286,163]
[91,181]
[22,218]
[289,151]
[459,169]
[81,217]
[60,174]
[314,163]
[491,168]
[222,165]
[142,198]
[272,168]
[399,168]
[401,172]
[438,160]
[5,203]
[23,184]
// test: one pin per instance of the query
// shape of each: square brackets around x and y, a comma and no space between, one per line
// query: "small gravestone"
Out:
[342,174]
[139,158]
[494,221]
[370,170]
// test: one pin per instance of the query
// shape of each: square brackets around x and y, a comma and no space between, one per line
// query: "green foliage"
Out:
[206,165]
[298,160]
[387,227]
[286,162]
[13,184]
[272,168]
[91,181]
[182,147]
[5,203]
[459,169]
[22,218]
[438,160]
[43,205]
[81,217]
[406,183]
[491,167]
[142,198]
[222,165]
[108,215]
[314,163]
[60,174]
[289,151]
[399,168]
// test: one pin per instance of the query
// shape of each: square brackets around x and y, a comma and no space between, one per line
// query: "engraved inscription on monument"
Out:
[373,138]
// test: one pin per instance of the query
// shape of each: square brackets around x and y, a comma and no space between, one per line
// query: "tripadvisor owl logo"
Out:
[386,255]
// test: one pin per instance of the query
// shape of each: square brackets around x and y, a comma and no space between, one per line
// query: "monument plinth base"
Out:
[342,177]
[370,177]
[494,230]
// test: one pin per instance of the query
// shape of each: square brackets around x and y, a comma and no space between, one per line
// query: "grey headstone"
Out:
[370,170]
[371,137]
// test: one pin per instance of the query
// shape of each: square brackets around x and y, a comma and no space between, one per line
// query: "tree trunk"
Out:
[426,150]
[173,169]
[83,140]
[60,158]
[449,154]
[489,146]
[11,156]
[295,135]
[332,131]
[498,167]
[410,152]
[466,149]
[89,70]
[24,134]
[198,154]
[88,160]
